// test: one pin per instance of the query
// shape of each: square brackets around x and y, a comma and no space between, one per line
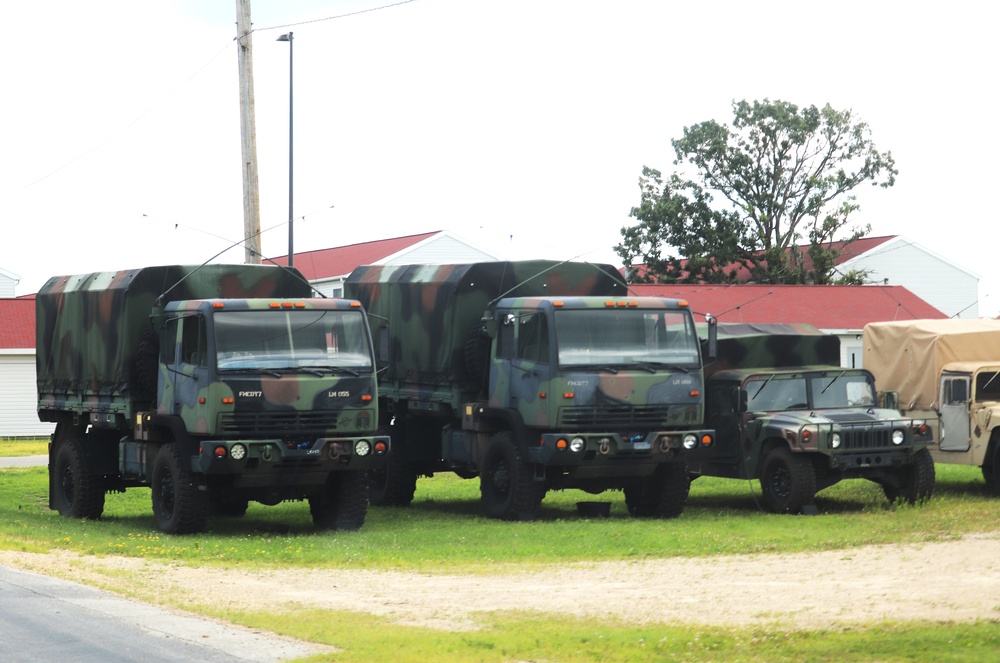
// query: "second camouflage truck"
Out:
[786,413]
[533,376]
[215,385]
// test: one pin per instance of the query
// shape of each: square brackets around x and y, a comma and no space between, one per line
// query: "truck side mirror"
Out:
[889,400]
[712,349]
[742,404]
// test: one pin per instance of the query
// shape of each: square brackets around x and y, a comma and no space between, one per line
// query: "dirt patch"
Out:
[953,581]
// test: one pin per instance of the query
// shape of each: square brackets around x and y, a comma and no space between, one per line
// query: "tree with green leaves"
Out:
[745,196]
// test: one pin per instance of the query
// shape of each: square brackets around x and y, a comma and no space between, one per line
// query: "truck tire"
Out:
[916,481]
[178,506]
[343,504]
[395,483]
[77,491]
[663,494]
[507,484]
[991,465]
[787,481]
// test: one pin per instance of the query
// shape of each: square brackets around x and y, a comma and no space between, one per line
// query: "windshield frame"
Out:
[588,337]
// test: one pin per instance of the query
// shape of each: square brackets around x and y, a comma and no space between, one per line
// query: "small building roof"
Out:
[17,323]
[829,307]
[341,260]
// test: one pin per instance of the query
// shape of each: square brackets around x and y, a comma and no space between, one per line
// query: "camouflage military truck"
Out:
[533,376]
[949,372]
[214,385]
[786,413]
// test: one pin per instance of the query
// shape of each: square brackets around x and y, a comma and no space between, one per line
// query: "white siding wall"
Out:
[6,286]
[939,282]
[18,396]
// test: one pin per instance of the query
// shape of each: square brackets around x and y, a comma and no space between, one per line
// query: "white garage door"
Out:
[18,413]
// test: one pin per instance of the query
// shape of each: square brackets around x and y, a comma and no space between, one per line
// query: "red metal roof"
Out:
[823,306]
[341,260]
[848,252]
[17,323]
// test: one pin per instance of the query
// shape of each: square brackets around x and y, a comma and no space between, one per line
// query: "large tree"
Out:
[747,195]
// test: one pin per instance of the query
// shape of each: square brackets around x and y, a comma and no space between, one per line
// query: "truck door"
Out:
[955,428]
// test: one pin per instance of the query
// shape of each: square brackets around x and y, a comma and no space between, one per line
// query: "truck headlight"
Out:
[237,452]
[690,441]
[362,448]
[577,444]
[835,440]
[898,437]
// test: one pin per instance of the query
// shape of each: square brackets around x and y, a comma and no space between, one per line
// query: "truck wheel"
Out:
[916,481]
[506,483]
[663,494]
[178,506]
[395,483]
[991,466]
[77,491]
[343,503]
[788,481]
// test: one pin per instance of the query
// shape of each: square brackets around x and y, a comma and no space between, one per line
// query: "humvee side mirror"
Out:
[743,403]
[890,400]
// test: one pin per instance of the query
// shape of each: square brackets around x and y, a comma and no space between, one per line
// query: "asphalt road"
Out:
[45,619]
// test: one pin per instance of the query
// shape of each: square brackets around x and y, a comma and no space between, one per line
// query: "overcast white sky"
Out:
[524,121]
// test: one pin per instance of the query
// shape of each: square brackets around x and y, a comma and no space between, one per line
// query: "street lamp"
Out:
[291,256]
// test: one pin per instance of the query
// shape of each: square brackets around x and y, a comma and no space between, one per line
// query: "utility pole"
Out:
[248,132]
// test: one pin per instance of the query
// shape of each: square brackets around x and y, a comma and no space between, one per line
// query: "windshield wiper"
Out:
[591,367]
[653,366]
[836,377]
[268,371]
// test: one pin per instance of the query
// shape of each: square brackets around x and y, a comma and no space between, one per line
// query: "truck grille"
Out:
[280,424]
[866,437]
[616,416]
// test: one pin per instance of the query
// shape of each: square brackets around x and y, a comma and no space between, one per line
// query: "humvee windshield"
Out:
[833,389]
[306,338]
[623,337]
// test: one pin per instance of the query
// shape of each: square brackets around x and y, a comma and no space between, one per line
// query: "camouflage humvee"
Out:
[784,412]
[533,376]
[214,385]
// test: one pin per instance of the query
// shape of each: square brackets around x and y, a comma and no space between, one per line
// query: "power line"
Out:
[330,18]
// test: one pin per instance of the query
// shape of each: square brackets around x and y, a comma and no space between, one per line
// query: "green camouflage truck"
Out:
[786,413]
[949,372]
[533,376]
[214,385]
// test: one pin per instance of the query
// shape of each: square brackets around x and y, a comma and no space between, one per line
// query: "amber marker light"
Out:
[569,394]
[706,440]
[274,304]
[218,305]
[695,392]
[562,444]
[228,400]
[682,302]
[201,400]
[366,397]
[543,394]
[355,304]
[220,452]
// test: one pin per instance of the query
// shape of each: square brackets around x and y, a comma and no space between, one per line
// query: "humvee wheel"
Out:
[178,506]
[991,465]
[663,494]
[343,504]
[916,481]
[506,483]
[788,481]
[77,491]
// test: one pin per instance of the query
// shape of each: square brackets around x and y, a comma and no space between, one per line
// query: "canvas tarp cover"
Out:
[908,356]
[756,345]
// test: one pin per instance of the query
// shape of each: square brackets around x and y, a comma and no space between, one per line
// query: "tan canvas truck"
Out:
[949,372]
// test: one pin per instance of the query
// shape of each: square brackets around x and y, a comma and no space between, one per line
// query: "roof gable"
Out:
[17,323]
[823,306]
[340,260]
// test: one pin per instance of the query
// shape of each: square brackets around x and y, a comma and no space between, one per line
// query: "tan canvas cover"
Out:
[908,356]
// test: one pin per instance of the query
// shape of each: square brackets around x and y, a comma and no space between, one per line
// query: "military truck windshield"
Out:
[305,339]
[626,337]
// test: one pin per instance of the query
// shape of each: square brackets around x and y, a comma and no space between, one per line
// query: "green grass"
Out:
[24,447]
[443,532]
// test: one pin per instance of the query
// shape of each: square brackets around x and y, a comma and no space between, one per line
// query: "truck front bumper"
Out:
[277,462]
[597,454]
